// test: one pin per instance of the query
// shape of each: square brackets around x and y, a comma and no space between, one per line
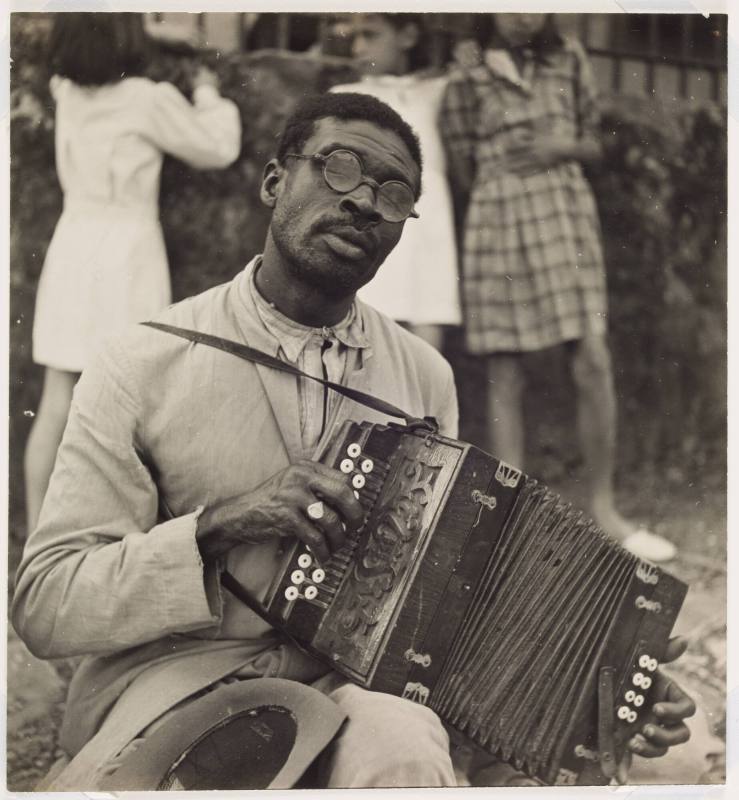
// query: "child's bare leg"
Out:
[45,437]
[505,430]
[596,423]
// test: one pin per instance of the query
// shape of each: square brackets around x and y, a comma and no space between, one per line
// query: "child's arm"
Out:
[205,134]
[457,122]
[540,150]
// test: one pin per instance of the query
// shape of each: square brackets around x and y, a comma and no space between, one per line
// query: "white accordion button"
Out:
[629,696]
[652,664]
[644,661]
[367,465]
[292,593]
[311,592]
[304,560]
[637,679]
[353,450]
[646,682]
[358,481]
[632,716]
[297,576]
[346,466]
[317,576]
[623,712]
[639,700]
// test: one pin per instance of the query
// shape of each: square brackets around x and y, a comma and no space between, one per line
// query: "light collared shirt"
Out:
[157,422]
[321,352]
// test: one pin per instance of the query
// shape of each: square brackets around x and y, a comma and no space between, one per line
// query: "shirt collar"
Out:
[292,337]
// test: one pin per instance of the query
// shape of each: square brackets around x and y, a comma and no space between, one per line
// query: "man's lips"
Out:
[353,239]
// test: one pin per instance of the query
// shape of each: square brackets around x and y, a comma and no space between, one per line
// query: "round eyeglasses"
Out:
[343,172]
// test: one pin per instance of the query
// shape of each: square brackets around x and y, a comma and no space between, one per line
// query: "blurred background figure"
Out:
[106,265]
[418,285]
[517,128]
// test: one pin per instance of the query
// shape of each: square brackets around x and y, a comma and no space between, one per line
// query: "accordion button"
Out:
[297,576]
[629,696]
[646,682]
[317,576]
[311,593]
[639,700]
[652,664]
[367,465]
[637,679]
[623,712]
[346,466]
[353,450]
[644,661]
[358,481]
[292,593]
[304,560]
[632,716]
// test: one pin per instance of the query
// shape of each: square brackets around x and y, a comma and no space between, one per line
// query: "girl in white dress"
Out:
[106,265]
[418,283]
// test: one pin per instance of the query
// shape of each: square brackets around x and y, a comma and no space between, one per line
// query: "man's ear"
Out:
[271,182]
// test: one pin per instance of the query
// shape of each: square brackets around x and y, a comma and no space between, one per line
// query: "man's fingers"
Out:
[666,736]
[334,489]
[654,740]
[312,537]
[675,648]
[671,702]
[331,525]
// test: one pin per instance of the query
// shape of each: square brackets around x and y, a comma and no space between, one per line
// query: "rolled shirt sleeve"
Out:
[101,573]
[205,134]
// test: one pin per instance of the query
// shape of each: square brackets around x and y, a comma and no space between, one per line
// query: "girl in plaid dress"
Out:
[516,128]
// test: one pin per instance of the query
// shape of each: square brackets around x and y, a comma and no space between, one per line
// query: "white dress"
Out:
[418,283]
[106,265]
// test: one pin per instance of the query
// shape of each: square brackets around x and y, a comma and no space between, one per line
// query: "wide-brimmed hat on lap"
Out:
[261,733]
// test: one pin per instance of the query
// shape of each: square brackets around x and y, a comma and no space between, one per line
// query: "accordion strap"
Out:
[260,357]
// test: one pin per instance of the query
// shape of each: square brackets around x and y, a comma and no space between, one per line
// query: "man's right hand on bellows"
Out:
[279,508]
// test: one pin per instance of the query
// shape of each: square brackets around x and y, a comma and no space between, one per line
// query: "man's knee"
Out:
[388,741]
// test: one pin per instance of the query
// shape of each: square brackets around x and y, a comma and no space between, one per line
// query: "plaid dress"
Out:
[531,255]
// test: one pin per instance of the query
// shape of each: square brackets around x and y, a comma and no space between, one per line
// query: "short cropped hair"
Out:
[92,49]
[344,106]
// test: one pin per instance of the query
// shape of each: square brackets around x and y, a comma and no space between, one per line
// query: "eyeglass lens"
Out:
[342,171]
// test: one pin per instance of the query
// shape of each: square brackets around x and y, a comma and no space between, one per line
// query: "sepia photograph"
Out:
[414,477]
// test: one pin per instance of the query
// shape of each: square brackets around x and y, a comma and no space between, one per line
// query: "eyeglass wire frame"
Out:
[363,178]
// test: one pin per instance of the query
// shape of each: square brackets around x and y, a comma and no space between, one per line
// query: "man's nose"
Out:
[360,203]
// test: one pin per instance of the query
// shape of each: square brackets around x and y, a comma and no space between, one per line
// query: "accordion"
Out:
[473,589]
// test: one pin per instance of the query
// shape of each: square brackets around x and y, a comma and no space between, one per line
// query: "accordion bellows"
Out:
[478,592]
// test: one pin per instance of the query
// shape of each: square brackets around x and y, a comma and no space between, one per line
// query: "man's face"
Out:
[378,46]
[336,241]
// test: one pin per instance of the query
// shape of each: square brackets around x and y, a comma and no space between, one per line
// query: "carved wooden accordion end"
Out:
[476,591]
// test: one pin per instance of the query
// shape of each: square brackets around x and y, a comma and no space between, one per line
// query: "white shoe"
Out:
[650,546]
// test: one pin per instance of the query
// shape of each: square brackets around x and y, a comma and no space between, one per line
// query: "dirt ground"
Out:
[692,515]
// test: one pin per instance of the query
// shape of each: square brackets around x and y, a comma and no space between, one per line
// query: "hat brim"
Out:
[261,733]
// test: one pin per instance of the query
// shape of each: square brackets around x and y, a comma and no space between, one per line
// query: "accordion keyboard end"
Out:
[606,744]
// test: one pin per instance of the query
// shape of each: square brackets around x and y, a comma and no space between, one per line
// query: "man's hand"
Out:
[671,707]
[278,508]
